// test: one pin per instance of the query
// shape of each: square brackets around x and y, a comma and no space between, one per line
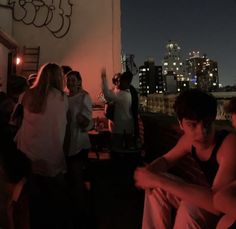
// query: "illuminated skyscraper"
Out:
[174,68]
[150,78]
[202,72]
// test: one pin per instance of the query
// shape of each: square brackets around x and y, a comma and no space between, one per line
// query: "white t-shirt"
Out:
[79,139]
[41,135]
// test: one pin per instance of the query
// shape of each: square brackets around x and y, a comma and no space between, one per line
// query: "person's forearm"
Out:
[106,91]
[159,165]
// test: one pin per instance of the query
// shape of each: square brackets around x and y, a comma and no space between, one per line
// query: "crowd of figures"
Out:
[44,139]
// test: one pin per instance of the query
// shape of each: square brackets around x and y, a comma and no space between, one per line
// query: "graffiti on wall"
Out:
[55,15]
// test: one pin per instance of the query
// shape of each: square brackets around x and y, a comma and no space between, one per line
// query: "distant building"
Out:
[173,69]
[202,72]
[163,103]
[150,78]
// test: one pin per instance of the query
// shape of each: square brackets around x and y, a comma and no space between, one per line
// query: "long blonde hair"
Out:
[49,76]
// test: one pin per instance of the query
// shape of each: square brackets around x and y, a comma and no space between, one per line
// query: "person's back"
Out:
[41,137]
[42,132]
[122,125]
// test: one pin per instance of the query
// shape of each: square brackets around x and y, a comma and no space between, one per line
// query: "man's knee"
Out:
[191,216]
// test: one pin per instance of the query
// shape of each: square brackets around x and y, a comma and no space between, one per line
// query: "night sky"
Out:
[208,26]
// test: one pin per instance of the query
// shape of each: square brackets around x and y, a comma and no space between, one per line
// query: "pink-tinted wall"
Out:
[93,39]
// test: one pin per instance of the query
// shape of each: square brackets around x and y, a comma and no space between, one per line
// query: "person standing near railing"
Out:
[122,123]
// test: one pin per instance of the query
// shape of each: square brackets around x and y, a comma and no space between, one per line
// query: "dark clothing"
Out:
[77,174]
[135,109]
[233,226]
[210,166]
[49,202]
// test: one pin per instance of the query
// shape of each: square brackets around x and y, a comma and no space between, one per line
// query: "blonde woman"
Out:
[41,138]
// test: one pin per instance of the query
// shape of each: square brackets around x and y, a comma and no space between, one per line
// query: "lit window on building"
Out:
[178,89]
[174,63]
[165,63]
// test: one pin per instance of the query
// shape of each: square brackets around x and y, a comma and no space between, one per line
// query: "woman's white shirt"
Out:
[79,138]
[41,135]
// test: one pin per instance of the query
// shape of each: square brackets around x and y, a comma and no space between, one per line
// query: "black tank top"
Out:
[233,226]
[210,166]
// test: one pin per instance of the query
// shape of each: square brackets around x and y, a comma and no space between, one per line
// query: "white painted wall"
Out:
[92,42]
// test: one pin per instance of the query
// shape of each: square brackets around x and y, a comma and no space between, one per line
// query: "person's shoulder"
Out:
[182,147]
[228,144]
[230,136]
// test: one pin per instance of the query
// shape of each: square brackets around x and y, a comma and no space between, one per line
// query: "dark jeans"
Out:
[77,168]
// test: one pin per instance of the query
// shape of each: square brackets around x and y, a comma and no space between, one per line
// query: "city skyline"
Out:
[207,26]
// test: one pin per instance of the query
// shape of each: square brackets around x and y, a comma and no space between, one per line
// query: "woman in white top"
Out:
[42,132]
[41,138]
[77,145]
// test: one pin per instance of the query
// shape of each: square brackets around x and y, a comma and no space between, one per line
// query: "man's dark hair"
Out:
[230,107]
[66,69]
[128,76]
[115,78]
[195,104]
[74,73]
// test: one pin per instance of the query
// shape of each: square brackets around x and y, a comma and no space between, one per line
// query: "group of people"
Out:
[53,143]
[210,202]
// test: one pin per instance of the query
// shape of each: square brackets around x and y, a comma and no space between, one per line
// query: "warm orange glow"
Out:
[18,60]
